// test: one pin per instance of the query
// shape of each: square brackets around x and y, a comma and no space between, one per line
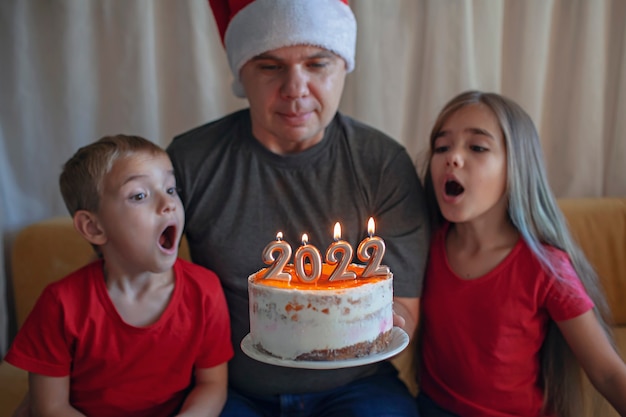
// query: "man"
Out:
[291,162]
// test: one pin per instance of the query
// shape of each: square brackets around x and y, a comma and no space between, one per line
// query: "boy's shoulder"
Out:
[196,275]
[78,279]
[75,292]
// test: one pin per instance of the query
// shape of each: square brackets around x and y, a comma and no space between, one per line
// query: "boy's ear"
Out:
[86,223]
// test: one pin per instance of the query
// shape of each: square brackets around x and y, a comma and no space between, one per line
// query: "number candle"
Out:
[275,271]
[377,245]
[340,246]
[311,253]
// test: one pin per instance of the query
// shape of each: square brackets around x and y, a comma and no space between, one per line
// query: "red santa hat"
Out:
[250,27]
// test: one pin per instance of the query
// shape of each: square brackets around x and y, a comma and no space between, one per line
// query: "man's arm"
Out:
[209,394]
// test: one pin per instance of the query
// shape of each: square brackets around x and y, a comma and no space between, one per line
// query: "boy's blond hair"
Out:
[82,176]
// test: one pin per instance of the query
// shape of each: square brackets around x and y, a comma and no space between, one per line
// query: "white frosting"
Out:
[289,322]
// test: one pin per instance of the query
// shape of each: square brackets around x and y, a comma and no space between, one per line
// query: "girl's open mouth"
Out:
[453,188]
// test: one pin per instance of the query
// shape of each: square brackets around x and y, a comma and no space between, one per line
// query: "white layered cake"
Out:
[321,321]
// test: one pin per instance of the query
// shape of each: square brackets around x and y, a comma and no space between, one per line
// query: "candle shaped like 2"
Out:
[275,271]
[377,247]
[340,246]
[311,253]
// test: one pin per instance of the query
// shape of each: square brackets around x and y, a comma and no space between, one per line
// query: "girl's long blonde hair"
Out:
[533,210]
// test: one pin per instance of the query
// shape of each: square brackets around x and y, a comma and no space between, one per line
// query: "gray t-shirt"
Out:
[237,195]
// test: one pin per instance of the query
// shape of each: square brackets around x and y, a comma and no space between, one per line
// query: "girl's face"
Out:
[468,166]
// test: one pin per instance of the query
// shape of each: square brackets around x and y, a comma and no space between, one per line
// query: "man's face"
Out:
[294,93]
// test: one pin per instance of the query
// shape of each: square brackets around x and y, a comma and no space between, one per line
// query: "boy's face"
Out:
[140,214]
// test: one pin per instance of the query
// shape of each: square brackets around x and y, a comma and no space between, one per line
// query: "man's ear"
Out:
[86,223]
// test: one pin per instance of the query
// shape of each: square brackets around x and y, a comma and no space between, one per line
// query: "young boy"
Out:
[138,332]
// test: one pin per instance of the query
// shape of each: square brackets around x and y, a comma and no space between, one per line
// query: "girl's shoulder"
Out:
[566,295]
[560,263]
[440,232]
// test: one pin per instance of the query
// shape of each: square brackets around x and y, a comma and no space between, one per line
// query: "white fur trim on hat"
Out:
[265,25]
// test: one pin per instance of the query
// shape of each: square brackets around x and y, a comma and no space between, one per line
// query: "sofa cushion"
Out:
[599,227]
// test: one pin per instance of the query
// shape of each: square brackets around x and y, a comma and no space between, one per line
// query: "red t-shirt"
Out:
[117,369]
[482,336]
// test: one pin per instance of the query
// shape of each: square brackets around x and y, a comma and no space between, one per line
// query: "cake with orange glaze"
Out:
[321,321]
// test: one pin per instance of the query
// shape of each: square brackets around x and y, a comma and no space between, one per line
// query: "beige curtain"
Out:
[72,71]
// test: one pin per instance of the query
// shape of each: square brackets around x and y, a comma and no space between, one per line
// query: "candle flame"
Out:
[279,236]
[337,233]
[371,227]
[305,239]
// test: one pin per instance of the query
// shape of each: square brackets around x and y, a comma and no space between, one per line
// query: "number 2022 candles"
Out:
[308,261]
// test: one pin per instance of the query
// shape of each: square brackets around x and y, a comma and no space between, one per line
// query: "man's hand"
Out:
[406,314]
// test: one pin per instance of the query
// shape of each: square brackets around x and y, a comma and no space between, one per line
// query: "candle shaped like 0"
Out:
[311,253]
[373,259]
[340,246]
[275,271]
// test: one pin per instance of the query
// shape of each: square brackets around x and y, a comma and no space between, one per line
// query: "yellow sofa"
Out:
[50,249]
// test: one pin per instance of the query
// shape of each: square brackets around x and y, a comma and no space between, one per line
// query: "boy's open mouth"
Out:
[453,188]
[168,237]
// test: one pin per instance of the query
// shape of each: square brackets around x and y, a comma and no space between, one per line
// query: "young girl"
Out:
[511,307]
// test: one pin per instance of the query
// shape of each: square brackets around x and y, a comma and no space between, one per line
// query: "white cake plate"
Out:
[399,341]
